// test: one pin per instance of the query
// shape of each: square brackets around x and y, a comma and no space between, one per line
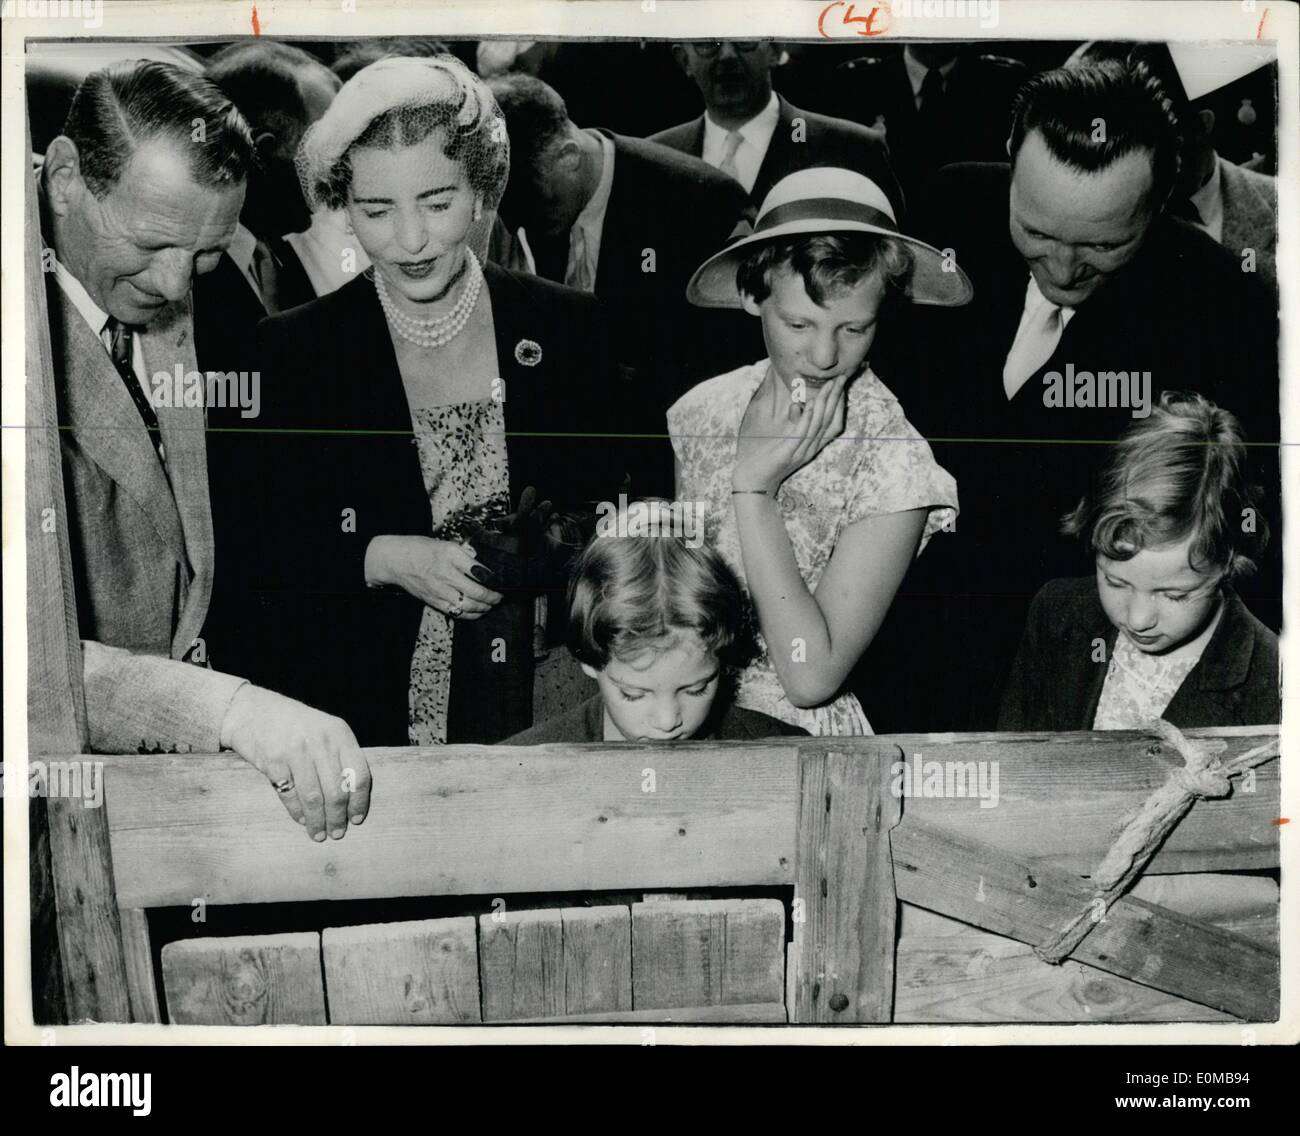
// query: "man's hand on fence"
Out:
[311,759]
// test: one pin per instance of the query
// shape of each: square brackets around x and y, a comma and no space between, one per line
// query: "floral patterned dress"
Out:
[462,449]
[879,465]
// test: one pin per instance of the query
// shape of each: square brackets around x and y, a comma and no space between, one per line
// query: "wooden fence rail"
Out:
[838,830]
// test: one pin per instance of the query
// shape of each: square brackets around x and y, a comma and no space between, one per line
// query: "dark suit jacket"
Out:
[877,91]
[1182,310]
[586,723]
[340,438]
[825,142]
[1056,682]
[684,210]
[227,310]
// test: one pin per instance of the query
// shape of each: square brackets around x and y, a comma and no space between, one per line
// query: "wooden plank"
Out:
[423,972]
[1062,796]
[949,972]
[461,820]
[597,959]
[90,935]
[844,887]
[708,953]
[249,980]
[766,1013]
[76,957]
[521,964]
[1029,901]
[140,984]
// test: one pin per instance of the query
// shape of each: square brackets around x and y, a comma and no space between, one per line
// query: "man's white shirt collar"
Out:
[1034,299]
[96,318]
[1209,202]
[757,134]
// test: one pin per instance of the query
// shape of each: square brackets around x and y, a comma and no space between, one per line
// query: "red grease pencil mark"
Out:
[257,28]
[1282,820]
[1259,31]
[849,18]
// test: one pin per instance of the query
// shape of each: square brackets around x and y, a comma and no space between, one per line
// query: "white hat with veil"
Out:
[428,94]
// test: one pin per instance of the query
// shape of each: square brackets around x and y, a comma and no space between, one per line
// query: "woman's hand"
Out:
[781,439]
[311,758]
[436,572]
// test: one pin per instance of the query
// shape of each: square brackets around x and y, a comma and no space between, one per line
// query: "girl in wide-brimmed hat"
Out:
[818,490]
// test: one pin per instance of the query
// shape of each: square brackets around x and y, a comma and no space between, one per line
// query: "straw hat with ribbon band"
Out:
[823,200]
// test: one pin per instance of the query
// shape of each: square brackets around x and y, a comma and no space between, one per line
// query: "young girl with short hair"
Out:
[1157,631]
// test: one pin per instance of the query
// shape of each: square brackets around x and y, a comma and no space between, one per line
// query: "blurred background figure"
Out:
[280,90]
[749,131]
[1235,205]
[362,53]
[630,221]
[937,103]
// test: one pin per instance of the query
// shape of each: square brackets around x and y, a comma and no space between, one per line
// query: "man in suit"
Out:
[749,131]
[1234,205]
[134,205]
[1080,277]
[936,103]
[630,221]
[280,90]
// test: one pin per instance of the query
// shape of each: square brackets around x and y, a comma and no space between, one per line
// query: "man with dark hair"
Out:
[1234,205]
[630,221]
[280,90]
[139,195]
[757,137]
[1090,299]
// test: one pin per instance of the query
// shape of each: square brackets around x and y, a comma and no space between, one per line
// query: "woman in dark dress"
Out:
[407,409]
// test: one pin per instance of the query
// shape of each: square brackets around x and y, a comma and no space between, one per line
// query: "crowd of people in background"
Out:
[963,386]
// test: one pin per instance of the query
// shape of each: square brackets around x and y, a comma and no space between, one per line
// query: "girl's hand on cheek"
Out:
[770,450]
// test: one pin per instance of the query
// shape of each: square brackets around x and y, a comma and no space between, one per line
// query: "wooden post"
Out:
[77,881]
[844,903]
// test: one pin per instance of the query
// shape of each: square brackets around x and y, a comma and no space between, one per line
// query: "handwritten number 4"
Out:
[850,17]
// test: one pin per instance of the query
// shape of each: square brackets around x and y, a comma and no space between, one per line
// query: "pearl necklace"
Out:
[440,330]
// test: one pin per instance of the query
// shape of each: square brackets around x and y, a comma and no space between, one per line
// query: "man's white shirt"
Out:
[757,136]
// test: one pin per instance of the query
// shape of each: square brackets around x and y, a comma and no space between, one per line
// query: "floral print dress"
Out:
[879,465]
[462,449]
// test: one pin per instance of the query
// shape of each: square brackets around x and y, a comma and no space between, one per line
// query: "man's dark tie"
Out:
[1183,207]
[551,255]
[280,277]
[119,351]
[932,110]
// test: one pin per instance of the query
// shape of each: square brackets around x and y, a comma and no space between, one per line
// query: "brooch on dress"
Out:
[528,352]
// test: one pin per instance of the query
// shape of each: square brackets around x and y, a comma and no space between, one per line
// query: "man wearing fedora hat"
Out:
[818,491]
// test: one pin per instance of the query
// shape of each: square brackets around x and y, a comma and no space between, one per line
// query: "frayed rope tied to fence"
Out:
[1203,775]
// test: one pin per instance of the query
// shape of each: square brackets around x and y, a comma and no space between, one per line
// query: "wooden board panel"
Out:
[571,963]
[249,980]
[461,820]
[1030,901]
[1061,798]
[423,972]
[766,1013]
[90,933]
[141,987]
[521,964]
[844,887]
[597,959]
[950,972]
[708,953]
